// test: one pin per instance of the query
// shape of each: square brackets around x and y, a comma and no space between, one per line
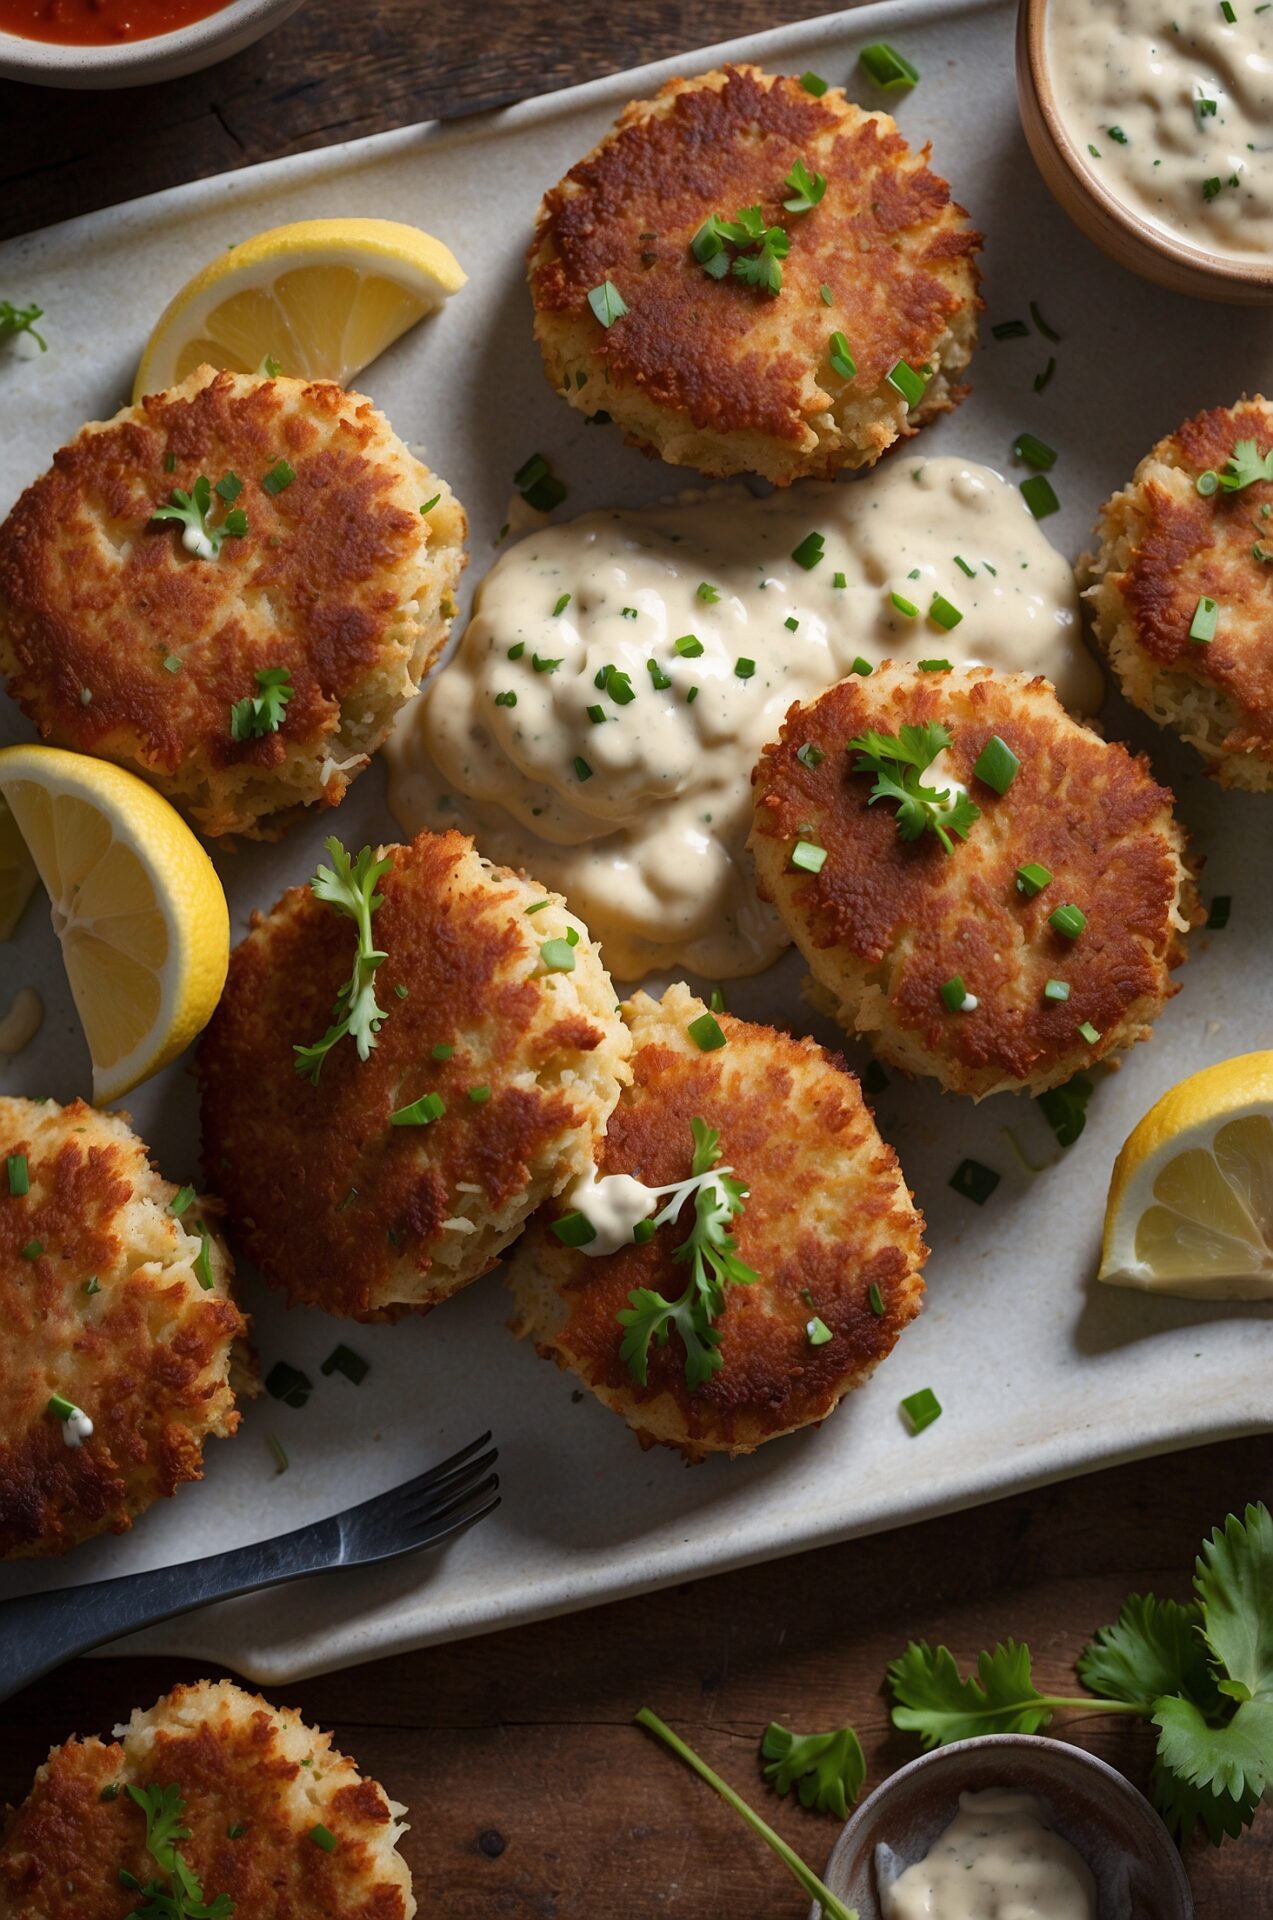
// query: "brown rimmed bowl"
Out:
[1116,228]
[1133,1860]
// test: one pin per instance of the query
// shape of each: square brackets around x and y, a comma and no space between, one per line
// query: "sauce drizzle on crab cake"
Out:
[1060,915]
[828,1225]
[730,377]
[145,640]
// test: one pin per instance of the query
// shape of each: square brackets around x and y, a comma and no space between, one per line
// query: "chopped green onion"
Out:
[1049,333]
[1032,878]
[933,666]
[964,568]
[229,486]
[32,1250]
[563,601]
[61,1408]
[921,1409]
[707,593]
[689,646]
[904,380]
[717,1001]
[19,1175]
[810,756]
[420,1113]
[943,614]
[875,1300]
[597,716]
[607,303]
[557,956]
[1089,1033]
[813,83]
[582,770]
[443,1049]
[479,1095]
[92,1284]
[862,668]
[955,995]
[236,1832]
[974,1181]
[887,67]
[324,1838]
[506,699]
[203,1259]
[1039,495]
[181,1201]
[825,295]
[1202,627]
[809,552]
[657,675]
[907,607]
[1228,12]
[997,764]
[817,1332]
[344,1360]
[1033,452]
[841,359]
[1056,990]
[288,1384]
[744,668]
[172,663]
[1010,330]
[430,504]
[574,1230]
[791,623]
[706,1033]
[1068,920]
[1218,918]
[807,855]
[279,477]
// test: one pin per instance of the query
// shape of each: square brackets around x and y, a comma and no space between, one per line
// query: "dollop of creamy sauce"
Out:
[1171,107]
[613,1206]
[621,673]
[995,1861]
[77,1427]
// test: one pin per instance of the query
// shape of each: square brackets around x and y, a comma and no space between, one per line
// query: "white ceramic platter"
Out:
[1040,1372]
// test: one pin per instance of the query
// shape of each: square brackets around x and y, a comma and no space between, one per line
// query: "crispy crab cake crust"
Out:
[238,1763]
[146,1355]
[887,921]
[339,579]
[332,1202]
[828,1214]
[1163,546]
[718,375]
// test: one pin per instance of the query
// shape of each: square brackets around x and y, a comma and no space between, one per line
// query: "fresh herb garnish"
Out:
[182,1898]
[1206,618]
[887,67]
[607,303]
[897,761]
[538,485]
[287,1383]
[1244,467]
[997,764]
[263,712]
[759,249]
[975,1181]
[1033,452]
[841,359]
[1065,1108]
[349,885]
[21,320]
[921,1409]
[827,1770]
[282,474]
[19,1174]
[1040,495]
[806,188]
[191,511]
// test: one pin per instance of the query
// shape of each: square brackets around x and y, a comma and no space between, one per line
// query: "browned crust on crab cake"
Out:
[333,1203]
[339,579]
[146,1353]
[828,1216]
[1162,547]
[887,921]
[256,1781]
[719,375]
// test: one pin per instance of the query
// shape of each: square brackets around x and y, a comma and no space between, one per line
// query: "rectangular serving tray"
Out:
[1040,1372]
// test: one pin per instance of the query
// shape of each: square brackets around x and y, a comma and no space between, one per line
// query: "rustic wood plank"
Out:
[533,1796]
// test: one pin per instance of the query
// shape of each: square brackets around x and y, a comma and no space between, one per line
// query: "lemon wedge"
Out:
[136,904]
[18,877]
[322,298]
[1190,1207]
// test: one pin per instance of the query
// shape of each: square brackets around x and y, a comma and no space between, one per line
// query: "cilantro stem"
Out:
[805,1877]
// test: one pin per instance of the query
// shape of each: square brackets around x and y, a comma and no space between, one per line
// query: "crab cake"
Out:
[118,1328]
[387,1183]
[1176,562]
[711,371]
[1040,943]
[827,1225]
[245,675]
[269,1819]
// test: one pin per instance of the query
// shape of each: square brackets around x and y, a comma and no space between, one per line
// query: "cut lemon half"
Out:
[136,904]
[321,298]
[1190,1207]
[18,877]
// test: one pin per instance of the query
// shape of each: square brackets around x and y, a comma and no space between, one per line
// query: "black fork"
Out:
[39,1631]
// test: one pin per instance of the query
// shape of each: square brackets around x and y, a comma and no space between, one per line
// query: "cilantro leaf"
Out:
[826,1769]
[806,188]
[191,511]
[349,885]
[1233,1579]
[1065,1108]
[897,761]
[182,1899]
[262,713]
[1155,1649]
[1182,1806]
[935,1703]
[745,232]
[21,320]
[163,1808]
[1236,1758]
[1245,466]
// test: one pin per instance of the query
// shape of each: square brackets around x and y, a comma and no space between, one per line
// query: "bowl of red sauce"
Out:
[126,43]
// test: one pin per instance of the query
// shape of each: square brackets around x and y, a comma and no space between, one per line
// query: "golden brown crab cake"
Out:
[886,924]
[275,1821]
[501,1054]
[828,1225]
[725,376]
[120,640]
[1167,550]
[118,1325]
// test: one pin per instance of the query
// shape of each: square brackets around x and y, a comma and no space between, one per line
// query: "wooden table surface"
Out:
[531,1794]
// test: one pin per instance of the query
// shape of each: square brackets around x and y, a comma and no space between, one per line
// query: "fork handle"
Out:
[40,1630]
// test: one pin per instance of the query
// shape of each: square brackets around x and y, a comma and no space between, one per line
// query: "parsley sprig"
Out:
[21,320]
[349,885]
[262,712]
[1244,466]
[1202,1673]
[182,1898]
[827,1770]
[649,1318]
[760,248]
[192,511]
[897,761]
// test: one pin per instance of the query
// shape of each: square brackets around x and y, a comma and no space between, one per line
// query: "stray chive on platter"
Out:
[1020,1367]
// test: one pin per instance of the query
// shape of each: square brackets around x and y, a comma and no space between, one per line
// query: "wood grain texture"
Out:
[532,1796]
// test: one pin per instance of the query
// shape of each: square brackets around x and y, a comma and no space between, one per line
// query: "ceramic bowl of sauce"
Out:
[1153,126]
[1004,1824]
[126,43]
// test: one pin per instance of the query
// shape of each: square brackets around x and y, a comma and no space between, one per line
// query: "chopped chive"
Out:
[172,663]
[542,664]
[839,580]
[181,1201]
[597,716]
[964,568]
[943,614]
[557,956]
[279,477]
[479,1095]
[810,756]
[582,770]
[813,83]
[574,1230]
[707,593]
[1065,1107]
[791,623]
[706,1033]
[170,462]
[1206,615]
[344,1360]
[1057,990]
[1049,333]
[229,486]
[744,668]
[61,1408]
[1041,379]
[506,699]
[1068,920]
[887,67]
[807,855]
[974,1181]
[1218,918]
[904,380]
[19,1175]
[288,1384]
[516,651]
[1117,135]
[875,1300]
[419,1113]
[1228,12]
[997,764]
[817,1332]
[657,675]
[430,504]
[607,303]
[907,607]
[563,601]
[809,552]
[1010,330]
[628,613]
[862,668]
[32,1250]
[921,1409]
[1033,452]
[203,1259]
[323,1837]
[955,994]
[1039,495]
[933,666]
[825,295]
[717,1001]
[689,646]
[1032,878]
[1088,1032]
[443,1049]
[841,359]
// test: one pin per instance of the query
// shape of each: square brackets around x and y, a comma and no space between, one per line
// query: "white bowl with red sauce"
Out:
[126,43]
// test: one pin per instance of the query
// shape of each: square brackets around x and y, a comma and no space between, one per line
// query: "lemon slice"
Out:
[136,904]
[1190,1207]
[18,876]
[320,297]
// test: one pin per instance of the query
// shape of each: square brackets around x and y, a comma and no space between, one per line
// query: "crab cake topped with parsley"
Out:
[119,1329]
[214,1796]
[1181,588]
[230,588]
[766,1168]
[749,278]
[409,1056]
[987,890]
